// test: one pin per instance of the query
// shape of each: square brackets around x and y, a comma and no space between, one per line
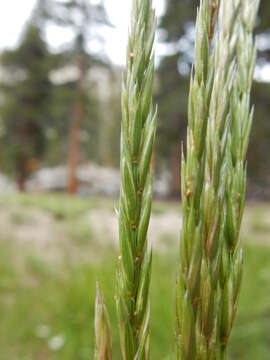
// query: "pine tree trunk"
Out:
[21,169]
[21,183]
[175,182]
[74,149]
[73,157]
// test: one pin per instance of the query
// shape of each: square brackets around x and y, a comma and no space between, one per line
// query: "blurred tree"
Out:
[110,124]
[25,89]
[173,79]
[177,34]
[85,18]
[259,149]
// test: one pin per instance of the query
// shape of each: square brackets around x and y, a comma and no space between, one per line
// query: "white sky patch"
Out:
[262,73]
[15,13]
[58,36]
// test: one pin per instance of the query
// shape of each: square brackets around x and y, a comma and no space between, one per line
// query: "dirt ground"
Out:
[38,228]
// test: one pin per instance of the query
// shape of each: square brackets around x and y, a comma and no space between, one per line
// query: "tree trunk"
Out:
[21,183]
[74,149]
[21,169]
[175,163]
[73,156]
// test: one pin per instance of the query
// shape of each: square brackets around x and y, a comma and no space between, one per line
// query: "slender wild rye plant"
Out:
[213,178]
[137,136]
[138,129]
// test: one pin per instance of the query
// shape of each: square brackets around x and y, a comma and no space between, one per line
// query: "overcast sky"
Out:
[14,14]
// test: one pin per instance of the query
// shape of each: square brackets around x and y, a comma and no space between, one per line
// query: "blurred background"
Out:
[61,68]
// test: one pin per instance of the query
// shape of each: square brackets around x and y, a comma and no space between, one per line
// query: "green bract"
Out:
[102,329]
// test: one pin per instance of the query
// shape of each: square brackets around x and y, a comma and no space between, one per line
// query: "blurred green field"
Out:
[51,257]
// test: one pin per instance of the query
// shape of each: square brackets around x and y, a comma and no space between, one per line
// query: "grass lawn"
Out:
[47,292]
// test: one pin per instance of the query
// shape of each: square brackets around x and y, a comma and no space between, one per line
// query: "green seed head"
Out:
[214,176]
[138,129]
